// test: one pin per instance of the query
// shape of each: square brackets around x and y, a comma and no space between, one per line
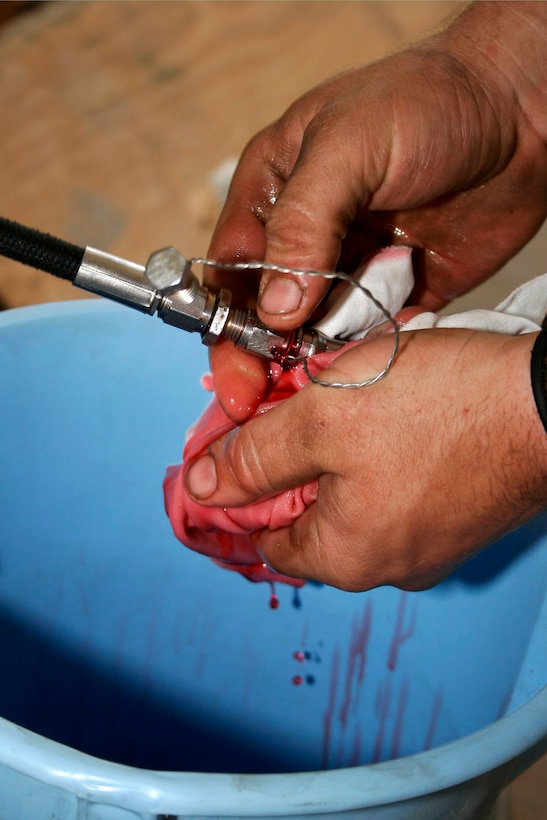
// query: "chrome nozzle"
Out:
[168,286]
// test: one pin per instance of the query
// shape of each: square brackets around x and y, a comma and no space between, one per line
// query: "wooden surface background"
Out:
[115,116]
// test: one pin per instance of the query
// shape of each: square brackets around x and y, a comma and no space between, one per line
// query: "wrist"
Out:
[500,47]
[520,440]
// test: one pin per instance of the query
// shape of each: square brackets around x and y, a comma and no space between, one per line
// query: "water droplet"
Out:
[296,600]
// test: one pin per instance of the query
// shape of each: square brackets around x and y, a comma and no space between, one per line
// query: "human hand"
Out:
[440,147]
[415,474]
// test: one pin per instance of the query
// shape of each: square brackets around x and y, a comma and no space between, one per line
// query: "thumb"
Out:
[310,219]
[271,453]
[295,442]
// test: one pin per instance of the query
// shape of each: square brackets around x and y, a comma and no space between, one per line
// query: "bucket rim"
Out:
[247,795]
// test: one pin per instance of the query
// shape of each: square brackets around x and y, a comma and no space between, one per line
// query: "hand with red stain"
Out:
[411,476]
[441,147]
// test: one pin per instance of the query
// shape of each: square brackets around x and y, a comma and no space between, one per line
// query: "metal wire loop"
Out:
[344,277]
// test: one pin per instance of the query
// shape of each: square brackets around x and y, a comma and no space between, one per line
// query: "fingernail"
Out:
[201,477]
[280,295]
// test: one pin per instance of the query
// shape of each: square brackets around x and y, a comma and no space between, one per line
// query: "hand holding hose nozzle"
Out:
[166,286]
[192,307]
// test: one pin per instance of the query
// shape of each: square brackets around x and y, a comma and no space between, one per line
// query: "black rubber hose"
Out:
[39,250]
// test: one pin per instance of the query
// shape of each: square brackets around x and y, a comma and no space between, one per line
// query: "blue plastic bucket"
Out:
[140,680]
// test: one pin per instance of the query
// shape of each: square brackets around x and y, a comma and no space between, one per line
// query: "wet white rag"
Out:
[389,277]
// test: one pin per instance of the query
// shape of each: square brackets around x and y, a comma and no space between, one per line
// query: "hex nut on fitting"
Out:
[219,319]
[167,270]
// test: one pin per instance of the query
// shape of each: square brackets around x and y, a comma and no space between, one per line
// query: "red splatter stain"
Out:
[435,714]
[274,601]
[360,634]
[383,702]
[399,720]
[400,633]
[329,712]
[355,757]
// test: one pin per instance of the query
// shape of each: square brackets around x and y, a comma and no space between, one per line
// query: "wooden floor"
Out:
[116,117]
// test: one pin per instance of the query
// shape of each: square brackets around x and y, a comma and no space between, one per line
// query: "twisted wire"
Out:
[344,277]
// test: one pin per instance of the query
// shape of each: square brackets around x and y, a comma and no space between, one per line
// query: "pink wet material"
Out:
[226,534]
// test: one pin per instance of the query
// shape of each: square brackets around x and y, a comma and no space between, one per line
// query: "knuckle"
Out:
[244,458]
[319,433]
[292,224]
[276,148]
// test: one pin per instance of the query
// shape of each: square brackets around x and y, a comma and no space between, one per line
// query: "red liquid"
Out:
[400,634]
[329,712]
[435,714]
[360,635]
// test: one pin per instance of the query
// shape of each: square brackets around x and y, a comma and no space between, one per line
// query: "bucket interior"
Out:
[118,641]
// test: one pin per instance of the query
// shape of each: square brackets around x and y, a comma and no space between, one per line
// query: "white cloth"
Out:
[389,277]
